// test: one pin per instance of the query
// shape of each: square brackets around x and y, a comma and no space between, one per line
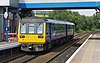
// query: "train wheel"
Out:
[61,41]
[50,45]
[45,47]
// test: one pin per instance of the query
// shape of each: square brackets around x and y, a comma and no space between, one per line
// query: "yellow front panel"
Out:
[32,38]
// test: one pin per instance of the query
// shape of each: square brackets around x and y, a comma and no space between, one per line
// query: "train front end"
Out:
[32,34]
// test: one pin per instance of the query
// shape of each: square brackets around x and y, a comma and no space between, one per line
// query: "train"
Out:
[38,34]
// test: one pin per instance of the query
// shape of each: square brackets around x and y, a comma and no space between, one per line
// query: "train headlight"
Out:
[22,36]
[40,36]
[30,47]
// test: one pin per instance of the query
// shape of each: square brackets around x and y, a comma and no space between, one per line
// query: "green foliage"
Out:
[82,23]
[79,30]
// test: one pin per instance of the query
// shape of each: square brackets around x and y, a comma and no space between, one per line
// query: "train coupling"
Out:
[32,47]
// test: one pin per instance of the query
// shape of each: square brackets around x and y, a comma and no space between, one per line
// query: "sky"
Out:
[86,12]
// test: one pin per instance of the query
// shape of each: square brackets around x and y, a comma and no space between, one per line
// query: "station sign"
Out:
[12,3]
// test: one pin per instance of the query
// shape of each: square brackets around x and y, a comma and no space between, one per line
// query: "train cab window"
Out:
[23,28]
[31,28]
[40,28]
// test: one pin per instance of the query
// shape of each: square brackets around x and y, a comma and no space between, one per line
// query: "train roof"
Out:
[29,19]
[58,22]
[45,20]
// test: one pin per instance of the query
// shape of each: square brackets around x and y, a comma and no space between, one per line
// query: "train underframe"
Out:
[46,46]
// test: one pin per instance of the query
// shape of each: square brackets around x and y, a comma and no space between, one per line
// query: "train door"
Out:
[48,32]
[48,36]
[66,32]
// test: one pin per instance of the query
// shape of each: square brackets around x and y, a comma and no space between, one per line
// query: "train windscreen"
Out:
[32,28]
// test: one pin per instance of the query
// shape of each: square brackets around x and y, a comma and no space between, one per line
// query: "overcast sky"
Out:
[86,12]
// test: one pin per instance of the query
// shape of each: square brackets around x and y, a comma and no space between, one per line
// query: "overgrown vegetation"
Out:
[82,23]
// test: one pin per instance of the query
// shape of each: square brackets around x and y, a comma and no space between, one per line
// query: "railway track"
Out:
[21,54]
[47,57]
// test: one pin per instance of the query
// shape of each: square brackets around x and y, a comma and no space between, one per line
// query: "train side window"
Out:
[54,29]
[61,27]
[47,27]
[68,28]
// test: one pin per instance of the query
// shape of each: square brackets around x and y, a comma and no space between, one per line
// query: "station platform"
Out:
[88,52]
[9,45]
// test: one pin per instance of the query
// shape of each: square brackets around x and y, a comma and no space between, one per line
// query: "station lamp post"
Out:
[6,21]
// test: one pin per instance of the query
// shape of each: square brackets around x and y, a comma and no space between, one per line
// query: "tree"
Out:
[82,23]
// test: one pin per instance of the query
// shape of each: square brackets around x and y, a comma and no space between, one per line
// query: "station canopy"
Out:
[11,3]
[59,3]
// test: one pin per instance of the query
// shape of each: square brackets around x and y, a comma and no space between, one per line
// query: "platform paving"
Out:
[4,45]
[90,52]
